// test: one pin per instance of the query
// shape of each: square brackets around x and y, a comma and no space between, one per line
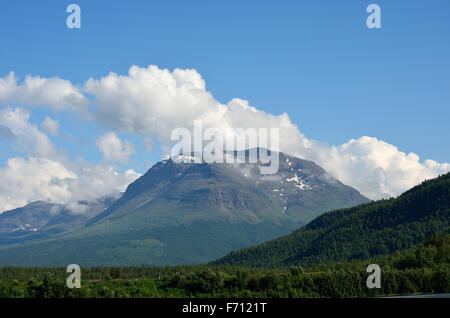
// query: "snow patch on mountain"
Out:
[300,183]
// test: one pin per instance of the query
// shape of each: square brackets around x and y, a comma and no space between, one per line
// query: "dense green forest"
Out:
[423,270]
[368,230]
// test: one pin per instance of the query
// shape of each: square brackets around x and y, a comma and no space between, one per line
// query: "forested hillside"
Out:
[424,270]
[368,230]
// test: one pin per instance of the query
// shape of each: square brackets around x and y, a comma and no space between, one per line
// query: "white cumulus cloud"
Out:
[50,126]
[32,140]
[374,167]
[27,180]
[114,149]
[56,93]
[152,102]
[33,179]
[156,101]
[48,175]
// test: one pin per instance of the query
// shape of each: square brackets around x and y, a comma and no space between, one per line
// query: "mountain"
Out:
[300,190]
[369,230]
[42,219]
[181,212]
[28,218]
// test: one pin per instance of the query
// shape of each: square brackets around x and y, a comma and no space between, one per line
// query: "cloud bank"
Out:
[48,175]
[152,102]
[32,179]
[155,101]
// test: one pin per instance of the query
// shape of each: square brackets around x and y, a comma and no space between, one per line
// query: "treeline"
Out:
[425,270]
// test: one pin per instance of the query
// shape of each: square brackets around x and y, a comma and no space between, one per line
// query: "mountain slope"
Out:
[368,230]
[42,219]
[184,213]
[300,189]
[29,218]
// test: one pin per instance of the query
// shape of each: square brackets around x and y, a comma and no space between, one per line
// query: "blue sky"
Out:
[315,60]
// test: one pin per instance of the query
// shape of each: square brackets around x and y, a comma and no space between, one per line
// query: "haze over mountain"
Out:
[184,213]
[368,230]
